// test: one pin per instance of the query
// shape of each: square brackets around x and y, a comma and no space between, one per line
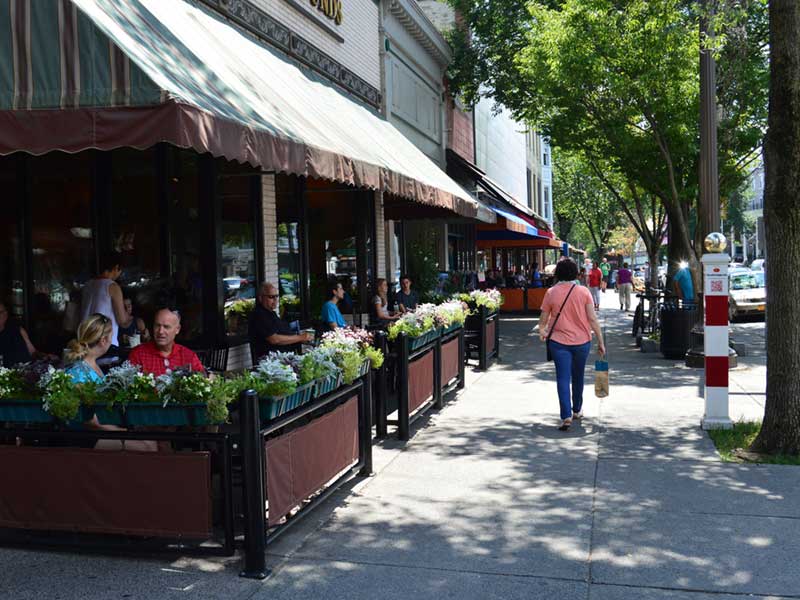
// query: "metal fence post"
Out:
[365,422]
[381,389]
[437,373]
[497,336]
[461,359]
[255,523]
[402,399]
[482,354]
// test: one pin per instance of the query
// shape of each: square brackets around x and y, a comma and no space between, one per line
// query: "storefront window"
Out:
[340,243]
[288,208]
[62,244]
[186,238]
[238,268]
[135,228]
[11,259]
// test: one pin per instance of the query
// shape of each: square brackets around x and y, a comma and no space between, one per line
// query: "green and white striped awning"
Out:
[78,74]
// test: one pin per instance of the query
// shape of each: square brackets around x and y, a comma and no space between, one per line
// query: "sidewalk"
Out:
[489,501]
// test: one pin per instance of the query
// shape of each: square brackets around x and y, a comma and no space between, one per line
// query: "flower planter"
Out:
[106,415]
[365,367]
[270,408]
[326,385]
[155,414]
[24,411]
[420,341]
[451,329]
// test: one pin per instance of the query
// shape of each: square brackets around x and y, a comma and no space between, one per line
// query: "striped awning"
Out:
[80,74]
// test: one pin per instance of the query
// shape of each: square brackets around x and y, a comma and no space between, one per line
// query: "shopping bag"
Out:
[601,378]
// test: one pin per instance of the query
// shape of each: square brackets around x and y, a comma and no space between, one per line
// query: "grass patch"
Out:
[728,441]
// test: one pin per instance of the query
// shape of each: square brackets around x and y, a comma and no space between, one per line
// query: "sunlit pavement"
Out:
[488,500]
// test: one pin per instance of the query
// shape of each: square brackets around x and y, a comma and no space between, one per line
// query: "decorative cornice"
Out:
[268,29]
[416,22]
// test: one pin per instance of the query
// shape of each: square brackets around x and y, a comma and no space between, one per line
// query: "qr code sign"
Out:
[716,286]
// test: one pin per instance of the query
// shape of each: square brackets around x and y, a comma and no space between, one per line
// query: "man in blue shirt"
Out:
[683,284]
[331,315]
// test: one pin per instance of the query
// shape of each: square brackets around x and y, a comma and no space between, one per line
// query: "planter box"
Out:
[155,414]
[365,367]
[326,386]
[24,411]
[271,408]
[420,341]
[451,329]
[106,415]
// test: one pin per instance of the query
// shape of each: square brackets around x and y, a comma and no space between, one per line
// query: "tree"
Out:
[618,83]
[584,196]
[780,431]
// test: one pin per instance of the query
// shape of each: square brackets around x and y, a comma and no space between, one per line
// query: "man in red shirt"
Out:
[595,280]
[162,354]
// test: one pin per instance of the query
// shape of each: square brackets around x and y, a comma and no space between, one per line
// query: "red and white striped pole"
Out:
[715,288]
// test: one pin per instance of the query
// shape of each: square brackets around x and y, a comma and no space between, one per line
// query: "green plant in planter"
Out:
[125,384]
[241,307]
[12,384]
[273,378]
[61,395]
[374,356]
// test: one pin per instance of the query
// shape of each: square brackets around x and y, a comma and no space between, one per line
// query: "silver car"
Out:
[747,295]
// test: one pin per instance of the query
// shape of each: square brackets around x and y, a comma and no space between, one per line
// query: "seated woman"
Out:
[136,327]
[15,345]
[381,303]
[93,341]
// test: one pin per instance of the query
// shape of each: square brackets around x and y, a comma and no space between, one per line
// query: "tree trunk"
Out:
[780,431]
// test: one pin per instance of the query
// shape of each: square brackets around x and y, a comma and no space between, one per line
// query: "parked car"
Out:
[746,296]
[758,264]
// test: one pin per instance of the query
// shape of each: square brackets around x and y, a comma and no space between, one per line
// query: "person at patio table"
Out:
[266,330]
[570,339]
[103,295]
[15,345]
[381,302]
[136,326]
[92,341]
[162,354]
[331,315]
[407,300]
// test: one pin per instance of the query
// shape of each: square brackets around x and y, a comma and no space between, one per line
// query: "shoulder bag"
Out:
[553,326]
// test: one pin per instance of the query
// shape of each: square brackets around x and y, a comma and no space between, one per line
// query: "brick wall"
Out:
[270,232]
[359,28]
[460,137]
[380,235]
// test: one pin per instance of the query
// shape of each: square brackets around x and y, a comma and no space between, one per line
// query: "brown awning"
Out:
[220,92]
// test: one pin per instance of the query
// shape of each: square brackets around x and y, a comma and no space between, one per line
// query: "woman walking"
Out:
[568,336]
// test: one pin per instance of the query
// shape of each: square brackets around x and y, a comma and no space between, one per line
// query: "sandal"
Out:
[565,424]
[577,416]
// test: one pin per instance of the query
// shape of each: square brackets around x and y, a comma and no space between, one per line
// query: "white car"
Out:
[758,264]
[746,296]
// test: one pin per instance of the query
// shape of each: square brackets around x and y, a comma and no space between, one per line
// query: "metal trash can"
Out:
[677,319]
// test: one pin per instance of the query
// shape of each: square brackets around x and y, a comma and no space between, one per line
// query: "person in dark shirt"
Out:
[267,331]
[405,298]
[15,345]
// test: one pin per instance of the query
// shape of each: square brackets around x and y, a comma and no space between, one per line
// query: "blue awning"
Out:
[515,223]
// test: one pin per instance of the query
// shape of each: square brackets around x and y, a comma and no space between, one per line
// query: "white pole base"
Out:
[716,423]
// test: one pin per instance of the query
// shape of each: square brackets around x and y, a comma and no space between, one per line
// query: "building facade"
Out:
[214,144]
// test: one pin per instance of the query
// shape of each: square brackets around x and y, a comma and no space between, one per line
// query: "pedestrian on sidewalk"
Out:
[569,337]
[595,281]
[606,269]
[624,286]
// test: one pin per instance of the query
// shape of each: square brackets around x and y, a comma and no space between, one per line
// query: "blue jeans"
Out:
[570,364]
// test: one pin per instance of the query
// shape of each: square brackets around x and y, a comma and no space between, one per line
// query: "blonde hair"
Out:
[91,330]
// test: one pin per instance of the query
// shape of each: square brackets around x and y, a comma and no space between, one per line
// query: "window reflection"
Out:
[135,228]
[238,269]
[186,238]
[63,244]
[289,265]
[11,259]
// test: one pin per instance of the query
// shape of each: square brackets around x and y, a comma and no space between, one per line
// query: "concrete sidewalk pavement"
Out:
[489,500]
